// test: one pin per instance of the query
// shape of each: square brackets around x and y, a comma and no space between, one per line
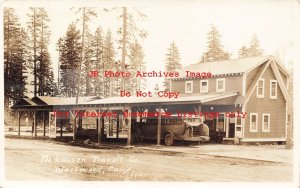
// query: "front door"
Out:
[231,130]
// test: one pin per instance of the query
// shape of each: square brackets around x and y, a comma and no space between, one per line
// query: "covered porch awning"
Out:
[46,102]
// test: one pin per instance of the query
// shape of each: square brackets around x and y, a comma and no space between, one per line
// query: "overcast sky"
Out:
[276,23]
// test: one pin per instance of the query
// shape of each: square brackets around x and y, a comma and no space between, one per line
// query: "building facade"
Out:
[260,106]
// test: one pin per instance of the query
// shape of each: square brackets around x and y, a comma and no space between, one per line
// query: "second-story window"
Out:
[189,87]
[220,85]
[273,89]
[260,92]
[203,86]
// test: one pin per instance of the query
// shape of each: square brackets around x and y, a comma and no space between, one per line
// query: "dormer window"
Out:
[273,89]
[203,86]
[189,87]
[220,85]
[260,92]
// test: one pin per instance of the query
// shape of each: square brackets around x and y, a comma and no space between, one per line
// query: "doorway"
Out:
[231,130]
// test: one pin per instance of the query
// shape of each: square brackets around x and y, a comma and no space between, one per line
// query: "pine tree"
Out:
[50,85]
[39,40]
[136,63]
[243,52]
[70,59]
[253,50]
[44,63]
[86,15]
[15,58]
[33,26]
[129,32]
[43,72]
[88,65]
[97,45]
[172,63]
[215,50]
[109,65]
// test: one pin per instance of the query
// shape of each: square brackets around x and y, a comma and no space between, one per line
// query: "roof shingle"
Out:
[224,67]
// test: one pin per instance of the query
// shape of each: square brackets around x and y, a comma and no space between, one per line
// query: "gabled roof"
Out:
[25,101]
[273,62]
[225,67]
[52,101]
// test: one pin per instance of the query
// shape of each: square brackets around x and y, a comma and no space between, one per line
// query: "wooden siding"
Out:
[179,86]
[251,76]
[232,84]
[275,107]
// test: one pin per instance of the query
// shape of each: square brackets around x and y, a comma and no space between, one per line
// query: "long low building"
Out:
[41,107]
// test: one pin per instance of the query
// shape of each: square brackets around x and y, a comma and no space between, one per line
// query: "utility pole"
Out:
[124,41]
[79,71]
[41,78]
[81,55]
[103,79]
[34,51]
[60,41]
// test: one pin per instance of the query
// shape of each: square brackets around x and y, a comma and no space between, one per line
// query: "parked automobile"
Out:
[173,128]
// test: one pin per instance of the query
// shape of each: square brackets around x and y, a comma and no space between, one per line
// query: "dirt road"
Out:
[45,160]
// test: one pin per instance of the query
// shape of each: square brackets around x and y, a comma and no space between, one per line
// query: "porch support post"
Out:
[74,129]
[19,123]
[99,123]
[129,128]
[61,127]
[118,125]
[44,124]
[74,123]
[34,124]
[159,126]
[102,128]
[110,126]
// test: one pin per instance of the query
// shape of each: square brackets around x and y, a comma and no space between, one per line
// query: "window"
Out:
[238,124]
[238,121]
[220,84]
[260,92]
[203,86]
[253,122]
[189,87]
[197,120]
[265,122]
[273,89]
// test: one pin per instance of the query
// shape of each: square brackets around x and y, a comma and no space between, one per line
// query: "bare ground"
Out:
[47,160]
